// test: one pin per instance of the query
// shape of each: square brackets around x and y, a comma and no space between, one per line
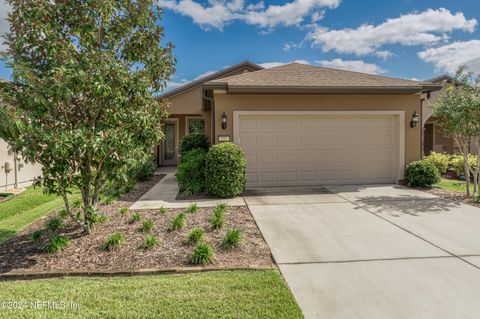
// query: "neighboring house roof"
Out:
[243,65]
[302,78]
[441,78]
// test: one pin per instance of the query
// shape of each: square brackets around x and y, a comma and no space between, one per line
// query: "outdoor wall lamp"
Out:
[224,120]
[414,121]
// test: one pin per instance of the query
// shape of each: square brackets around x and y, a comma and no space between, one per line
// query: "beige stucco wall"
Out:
[26,174]
[249,102]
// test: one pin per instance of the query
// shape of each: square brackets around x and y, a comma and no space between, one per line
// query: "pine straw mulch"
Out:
[85,252]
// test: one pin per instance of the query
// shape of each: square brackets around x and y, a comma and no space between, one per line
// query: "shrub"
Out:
[150,242]
[147,226]
[422,173]
[123,211]
[225,170]
[162,210]
[193,141]
[178,222]
[56,243]
[36,235]
[457,163]
[114,241]
[440,160]
[193,208]
[202,254]
[195,236]
[99,218]
[54,223]
[191,172]
[232,239]
[62,213]
[217,220]
[136,217]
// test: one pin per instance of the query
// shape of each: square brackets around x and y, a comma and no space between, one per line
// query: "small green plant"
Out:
[178,222]
[114,241]
[56,243]
[62,213]
[36,235]
[147,226]
[162,210]
[202,254]
[123,211]
[136,217]
[232,239]
[195,236]
[217,220]
[193,208]
[54,223]
[76,203]
[150,242]
[107,200]
[99,218]
[475,198]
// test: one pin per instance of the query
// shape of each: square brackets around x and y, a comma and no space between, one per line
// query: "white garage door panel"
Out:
[283,150]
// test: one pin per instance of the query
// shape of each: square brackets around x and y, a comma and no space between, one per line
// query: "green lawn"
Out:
[23,209]
[225,294]
[451,184]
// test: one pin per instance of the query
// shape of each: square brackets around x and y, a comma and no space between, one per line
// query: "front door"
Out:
[170,143]
[428,139]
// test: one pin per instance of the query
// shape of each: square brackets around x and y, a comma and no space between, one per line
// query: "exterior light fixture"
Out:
[414,121]
[224,120]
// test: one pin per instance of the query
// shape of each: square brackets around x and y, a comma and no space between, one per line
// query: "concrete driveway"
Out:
[373,251]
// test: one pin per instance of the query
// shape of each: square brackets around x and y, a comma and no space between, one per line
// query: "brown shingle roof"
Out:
[302,77]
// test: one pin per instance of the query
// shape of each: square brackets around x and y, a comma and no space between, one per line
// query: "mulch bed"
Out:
[451,195]
[85,252]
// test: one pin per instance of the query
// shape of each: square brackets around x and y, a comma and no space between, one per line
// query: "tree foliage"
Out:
[458,113]
[82,95]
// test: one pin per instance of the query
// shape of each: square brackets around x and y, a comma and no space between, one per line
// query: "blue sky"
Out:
[406,38]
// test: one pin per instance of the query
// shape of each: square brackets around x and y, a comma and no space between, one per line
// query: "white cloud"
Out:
[204,74]
[352,65]
[449,57]
[289,14]
[4,25]
[384,54]
[427,27]
[268,65]
[218,13]
[291,45]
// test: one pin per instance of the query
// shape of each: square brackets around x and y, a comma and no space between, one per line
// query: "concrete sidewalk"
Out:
[163,194]
[373,251]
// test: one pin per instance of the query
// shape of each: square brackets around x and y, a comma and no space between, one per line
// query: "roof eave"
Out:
[318,90]
[193,84]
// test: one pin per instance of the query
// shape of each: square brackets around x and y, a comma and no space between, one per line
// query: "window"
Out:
[195,125]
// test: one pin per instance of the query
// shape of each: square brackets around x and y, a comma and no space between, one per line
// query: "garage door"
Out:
[311,149]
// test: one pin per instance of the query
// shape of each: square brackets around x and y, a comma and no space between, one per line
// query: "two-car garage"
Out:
[320,148]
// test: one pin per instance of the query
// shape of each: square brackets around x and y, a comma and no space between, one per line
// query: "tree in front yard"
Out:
[82,95]
[458,113]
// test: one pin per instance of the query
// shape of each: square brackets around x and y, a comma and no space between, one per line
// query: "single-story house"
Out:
[303,125]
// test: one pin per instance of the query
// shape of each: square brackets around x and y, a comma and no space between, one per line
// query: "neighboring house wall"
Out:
[26,174]
[293,102]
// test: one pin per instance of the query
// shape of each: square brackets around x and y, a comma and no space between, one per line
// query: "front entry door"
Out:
[170,143]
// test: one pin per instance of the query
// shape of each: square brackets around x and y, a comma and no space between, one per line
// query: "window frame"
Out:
[188,118]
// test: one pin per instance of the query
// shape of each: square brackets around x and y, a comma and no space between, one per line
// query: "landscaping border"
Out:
[20,275]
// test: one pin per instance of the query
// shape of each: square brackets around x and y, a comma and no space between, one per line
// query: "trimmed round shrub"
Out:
[422,173]
[440,160]
[191,172]
[191,142]
[225,170]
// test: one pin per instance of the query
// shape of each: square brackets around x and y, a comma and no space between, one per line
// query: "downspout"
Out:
[212,116]
[422,129]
